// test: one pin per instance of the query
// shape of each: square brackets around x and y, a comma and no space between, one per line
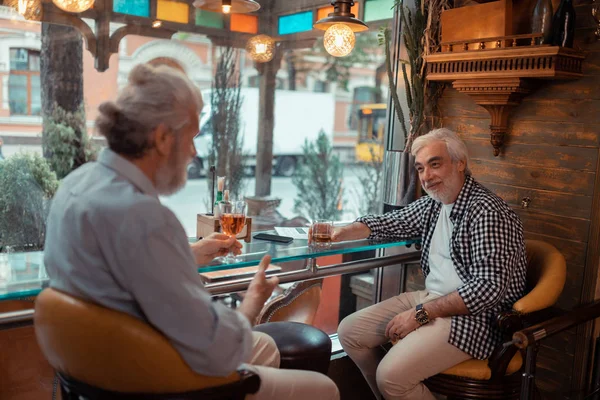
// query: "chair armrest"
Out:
[531,335]
[510,322]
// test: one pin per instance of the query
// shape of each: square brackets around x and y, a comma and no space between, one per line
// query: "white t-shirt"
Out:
[442,278]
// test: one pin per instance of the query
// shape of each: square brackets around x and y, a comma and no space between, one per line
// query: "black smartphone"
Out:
[273,238]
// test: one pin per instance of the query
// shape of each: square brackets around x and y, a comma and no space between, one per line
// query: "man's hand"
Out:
[354,231]
[214,245]
[258,292]
[401,325]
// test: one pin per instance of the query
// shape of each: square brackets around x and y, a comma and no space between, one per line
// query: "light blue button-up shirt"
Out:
[110,241]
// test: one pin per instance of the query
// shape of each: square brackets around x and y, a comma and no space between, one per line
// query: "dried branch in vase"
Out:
[421,36]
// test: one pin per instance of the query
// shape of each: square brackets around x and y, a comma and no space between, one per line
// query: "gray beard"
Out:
[171,178]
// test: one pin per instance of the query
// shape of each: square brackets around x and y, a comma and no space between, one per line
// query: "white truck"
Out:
[298,116]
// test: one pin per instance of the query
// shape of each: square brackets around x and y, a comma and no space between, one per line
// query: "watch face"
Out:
[422,317]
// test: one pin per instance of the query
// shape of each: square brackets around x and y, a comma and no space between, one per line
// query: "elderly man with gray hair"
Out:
[474,262]
[110,240]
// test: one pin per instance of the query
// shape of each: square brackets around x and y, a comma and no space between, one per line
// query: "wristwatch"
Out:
[421,316]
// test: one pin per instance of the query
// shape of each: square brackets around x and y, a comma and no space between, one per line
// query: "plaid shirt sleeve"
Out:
[407,222]
[495,240]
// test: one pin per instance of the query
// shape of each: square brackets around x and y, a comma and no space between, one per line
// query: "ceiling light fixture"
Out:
[339,40]
[342,14]
[73,6]
[228,6]
[261,48]
[29,9]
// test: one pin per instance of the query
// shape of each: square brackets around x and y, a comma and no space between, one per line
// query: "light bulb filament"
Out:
[339,40]
[22,8]
[260,48]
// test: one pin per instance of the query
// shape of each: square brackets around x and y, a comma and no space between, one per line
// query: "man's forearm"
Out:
[446,306]
[354,231]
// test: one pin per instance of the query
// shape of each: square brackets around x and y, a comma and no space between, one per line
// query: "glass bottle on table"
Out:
[220,190]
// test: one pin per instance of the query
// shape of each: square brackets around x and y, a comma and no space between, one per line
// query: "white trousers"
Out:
[398,375]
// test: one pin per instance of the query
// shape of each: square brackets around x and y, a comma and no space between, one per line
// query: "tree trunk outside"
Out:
[61,64]
[266,125]
[291,69]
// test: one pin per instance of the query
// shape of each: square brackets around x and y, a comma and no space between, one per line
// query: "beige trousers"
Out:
[422,353]
[279,384]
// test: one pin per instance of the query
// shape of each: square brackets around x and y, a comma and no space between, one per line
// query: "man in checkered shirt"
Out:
[474,262]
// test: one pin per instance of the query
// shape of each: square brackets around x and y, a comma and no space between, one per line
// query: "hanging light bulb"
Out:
[29,9]
[261,48]
[342,14]
[226,6]
[339,40]
[73,6]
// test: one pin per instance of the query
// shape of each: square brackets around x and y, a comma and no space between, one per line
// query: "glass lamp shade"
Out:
[29,9]
[339,40]
[233,6]
[261,48]
[73,6]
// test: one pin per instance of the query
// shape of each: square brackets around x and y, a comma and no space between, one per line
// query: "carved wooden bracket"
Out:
[499,97]
[498,78]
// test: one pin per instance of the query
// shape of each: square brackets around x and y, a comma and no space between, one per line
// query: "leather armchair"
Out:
[497,377]
[101,353]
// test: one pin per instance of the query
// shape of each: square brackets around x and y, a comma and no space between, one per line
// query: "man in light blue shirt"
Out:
[110,240]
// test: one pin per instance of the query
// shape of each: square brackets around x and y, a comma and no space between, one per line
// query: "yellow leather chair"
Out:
[497,377]
[105,354]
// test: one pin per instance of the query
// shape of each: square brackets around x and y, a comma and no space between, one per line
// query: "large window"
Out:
[24,90]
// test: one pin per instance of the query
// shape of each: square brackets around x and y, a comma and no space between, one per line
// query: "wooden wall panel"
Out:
[528,132]
[538,177]
[551,156]
[561,157]
[542,200]
[575,229]
[24,372]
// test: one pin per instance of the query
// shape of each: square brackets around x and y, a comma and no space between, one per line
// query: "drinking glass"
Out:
[232,216]
[321,233]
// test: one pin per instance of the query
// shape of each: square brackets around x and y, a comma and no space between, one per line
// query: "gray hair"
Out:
[456,147]
[153,96]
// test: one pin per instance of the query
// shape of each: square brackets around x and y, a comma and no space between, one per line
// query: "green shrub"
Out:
[319,181]
[26,186]
[67,145]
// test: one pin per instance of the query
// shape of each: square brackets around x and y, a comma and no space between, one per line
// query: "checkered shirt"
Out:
[488,252]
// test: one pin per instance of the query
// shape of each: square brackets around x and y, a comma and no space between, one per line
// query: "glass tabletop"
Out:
[23,274]
[299,249]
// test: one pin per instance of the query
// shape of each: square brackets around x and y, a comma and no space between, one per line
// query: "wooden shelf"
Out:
[498,79]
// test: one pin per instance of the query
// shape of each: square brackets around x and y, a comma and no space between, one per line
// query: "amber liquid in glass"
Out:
[322,238]
[232,224]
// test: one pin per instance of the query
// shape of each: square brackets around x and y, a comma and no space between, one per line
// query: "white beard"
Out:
[172,177]
[446,188]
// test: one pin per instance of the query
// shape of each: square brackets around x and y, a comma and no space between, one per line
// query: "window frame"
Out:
[29,74]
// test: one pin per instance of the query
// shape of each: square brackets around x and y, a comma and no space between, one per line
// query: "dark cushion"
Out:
[301,346]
